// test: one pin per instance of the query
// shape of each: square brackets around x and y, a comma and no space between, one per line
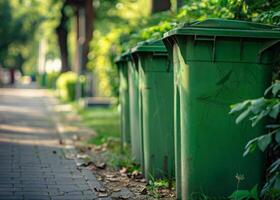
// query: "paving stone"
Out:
[5,197]
[29,167]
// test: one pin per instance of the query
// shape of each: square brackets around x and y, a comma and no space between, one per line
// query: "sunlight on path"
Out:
[33,165]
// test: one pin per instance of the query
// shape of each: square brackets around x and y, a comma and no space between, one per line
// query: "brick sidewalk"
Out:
[32,164]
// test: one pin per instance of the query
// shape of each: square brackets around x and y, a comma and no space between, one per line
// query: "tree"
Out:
[6,31]
[160,5]
[62,35]
[178,4]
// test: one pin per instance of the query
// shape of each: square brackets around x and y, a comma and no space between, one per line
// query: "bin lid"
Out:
[149,46]
[123,57]
[230,28]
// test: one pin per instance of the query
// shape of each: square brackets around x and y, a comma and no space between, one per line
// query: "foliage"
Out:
[155,185]
[127,24]
[122,160]
[51,79]
[124,20]
[21,23]
[245,194]
[105,122]
[66,85]
[257,110]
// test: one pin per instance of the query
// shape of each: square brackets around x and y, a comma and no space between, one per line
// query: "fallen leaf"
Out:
[123,194]
[103,194]
[61,142]
[101,165]
[113,179]
[76,137]
[116,189]
[100,189]
[85,164]
[123,170]
[144,191]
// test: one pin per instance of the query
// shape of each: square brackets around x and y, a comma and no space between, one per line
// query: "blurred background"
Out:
[45,39]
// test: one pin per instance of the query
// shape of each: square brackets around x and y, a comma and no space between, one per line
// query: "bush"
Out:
[51,80]
[257,110]
[66,85]
[41,80]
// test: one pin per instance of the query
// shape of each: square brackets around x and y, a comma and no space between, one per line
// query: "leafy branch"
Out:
[257,110]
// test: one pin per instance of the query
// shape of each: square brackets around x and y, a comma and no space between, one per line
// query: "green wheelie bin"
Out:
[156,108]
[136,137]
[122,64]
[218,63]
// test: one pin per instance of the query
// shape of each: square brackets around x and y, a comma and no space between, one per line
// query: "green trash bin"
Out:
[136,137]
[156,108]
[122,64]
[43,79]
[217,63]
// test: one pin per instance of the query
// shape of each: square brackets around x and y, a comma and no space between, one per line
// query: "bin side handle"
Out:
[134,58]
[208,38]
[169,42]
[266,47]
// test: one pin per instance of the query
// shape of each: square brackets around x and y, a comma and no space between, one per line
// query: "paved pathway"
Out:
[32,164]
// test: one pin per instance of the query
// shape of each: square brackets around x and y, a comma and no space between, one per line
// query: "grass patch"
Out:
[156,185]
[105,121]
[121,160]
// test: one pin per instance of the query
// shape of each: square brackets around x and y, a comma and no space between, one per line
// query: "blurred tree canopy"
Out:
[120,24]
[23,23]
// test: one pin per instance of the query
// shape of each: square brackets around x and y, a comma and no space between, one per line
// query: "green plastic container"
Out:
[42,79]
[122,64]
[136,137]
[156,108]
[217,63]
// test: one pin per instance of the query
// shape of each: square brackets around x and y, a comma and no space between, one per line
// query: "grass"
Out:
[124,159]
[104,121]
[155,185]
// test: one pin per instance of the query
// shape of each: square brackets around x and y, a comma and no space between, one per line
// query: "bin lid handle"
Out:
[268,46]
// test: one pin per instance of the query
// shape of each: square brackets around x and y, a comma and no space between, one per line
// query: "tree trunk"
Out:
[62,34]
[179,4]
[89,16]
[12,76]
[160,5]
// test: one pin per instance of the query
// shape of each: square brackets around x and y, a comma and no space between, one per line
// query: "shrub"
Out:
[51,79]
[66,85]
[257,110]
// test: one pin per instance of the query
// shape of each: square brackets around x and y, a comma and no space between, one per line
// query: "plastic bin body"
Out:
[156,109]
[136,137]
[213,69]
[122,64]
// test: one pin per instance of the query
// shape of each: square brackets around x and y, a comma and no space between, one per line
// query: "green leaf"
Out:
[264,141]
[275,111]
[257,105]
[254,192]
[277,183]
[240,195]
[268,90]
[259,117]
[251,142]
[275,88]
[242,116]
[273,126]
[250,146]
[277,136]
[238,107]
[274,166]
